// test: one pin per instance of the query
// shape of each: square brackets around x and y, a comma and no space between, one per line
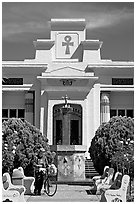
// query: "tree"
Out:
[113,145]
[21,143]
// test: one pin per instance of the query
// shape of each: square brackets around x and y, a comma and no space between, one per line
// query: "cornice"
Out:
[23,65]
[108,87]
[91,44]
[67,77]
[114,65]
[16,87]
[43,44]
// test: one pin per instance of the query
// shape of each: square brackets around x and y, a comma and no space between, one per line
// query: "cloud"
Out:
[108,19]
[19,18]
[25,27]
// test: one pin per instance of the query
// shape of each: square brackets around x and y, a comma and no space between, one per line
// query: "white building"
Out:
[69,65]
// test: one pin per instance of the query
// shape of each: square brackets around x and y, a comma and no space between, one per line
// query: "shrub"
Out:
[113,145]
[21,143]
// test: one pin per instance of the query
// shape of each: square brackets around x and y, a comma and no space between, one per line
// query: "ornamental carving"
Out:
[67,82]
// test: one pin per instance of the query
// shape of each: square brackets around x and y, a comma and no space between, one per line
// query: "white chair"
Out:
[106,168]
[116,185]
[28,182]
[107,182]
[104,177]
[21,189]
[117,181]
[9,195]
[118,195]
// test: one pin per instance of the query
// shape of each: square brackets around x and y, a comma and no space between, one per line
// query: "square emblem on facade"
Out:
[66,45]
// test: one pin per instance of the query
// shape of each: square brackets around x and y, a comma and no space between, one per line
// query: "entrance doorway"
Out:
[74,131]
[67,126]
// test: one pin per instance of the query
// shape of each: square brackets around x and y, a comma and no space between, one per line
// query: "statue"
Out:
[66,100]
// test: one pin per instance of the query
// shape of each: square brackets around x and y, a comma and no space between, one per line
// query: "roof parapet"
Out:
[68,24]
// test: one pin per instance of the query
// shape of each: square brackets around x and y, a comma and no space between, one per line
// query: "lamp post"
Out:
[65,111]
[66,108]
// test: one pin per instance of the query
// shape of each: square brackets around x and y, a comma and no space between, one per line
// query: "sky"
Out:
[110,22]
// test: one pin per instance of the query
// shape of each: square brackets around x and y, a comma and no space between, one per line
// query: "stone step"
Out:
[86,182]
[89,169]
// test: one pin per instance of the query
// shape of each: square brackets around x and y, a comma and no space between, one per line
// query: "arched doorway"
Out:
[67,125]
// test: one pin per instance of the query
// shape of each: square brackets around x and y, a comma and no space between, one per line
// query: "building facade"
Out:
[67,91]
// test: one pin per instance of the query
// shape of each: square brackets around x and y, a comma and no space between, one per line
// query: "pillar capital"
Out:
[105,97]
[105,107]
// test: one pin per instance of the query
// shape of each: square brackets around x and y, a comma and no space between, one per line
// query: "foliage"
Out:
[113,145]
[21,143]
[130,192]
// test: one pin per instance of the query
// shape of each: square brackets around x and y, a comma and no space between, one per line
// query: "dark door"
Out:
[67,128]
[74,139]
[58,132]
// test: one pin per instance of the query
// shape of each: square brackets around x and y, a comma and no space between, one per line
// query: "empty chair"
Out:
[28,182]
[9,195]
[17,177]
[21,189]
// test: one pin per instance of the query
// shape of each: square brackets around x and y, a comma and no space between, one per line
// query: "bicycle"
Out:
[50,181]
[50,184]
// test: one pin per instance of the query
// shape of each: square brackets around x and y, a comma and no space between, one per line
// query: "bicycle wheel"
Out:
[50,185]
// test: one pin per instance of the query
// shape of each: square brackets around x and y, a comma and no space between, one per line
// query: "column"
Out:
[92,114]
[105,107]
[96,105]
[29,107]
[42,119]
[44,112]
[89,122]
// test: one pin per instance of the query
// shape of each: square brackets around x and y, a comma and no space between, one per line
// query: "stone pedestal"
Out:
[70,162]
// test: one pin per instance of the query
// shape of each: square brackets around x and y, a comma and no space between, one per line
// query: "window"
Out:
[4,114]
[21,113]
[12,81]
[13,113]
[130,113]
[113,112]
[122,112]
[122,81]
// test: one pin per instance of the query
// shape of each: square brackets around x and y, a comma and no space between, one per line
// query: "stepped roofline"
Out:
[68,24]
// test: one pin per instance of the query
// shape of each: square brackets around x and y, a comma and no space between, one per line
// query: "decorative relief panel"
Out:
[79,166]
[66,44]
[71,166]
[65,166]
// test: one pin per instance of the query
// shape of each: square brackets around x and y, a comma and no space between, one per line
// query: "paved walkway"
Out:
[66,193]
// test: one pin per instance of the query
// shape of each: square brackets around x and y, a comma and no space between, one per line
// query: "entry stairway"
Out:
[89,169]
